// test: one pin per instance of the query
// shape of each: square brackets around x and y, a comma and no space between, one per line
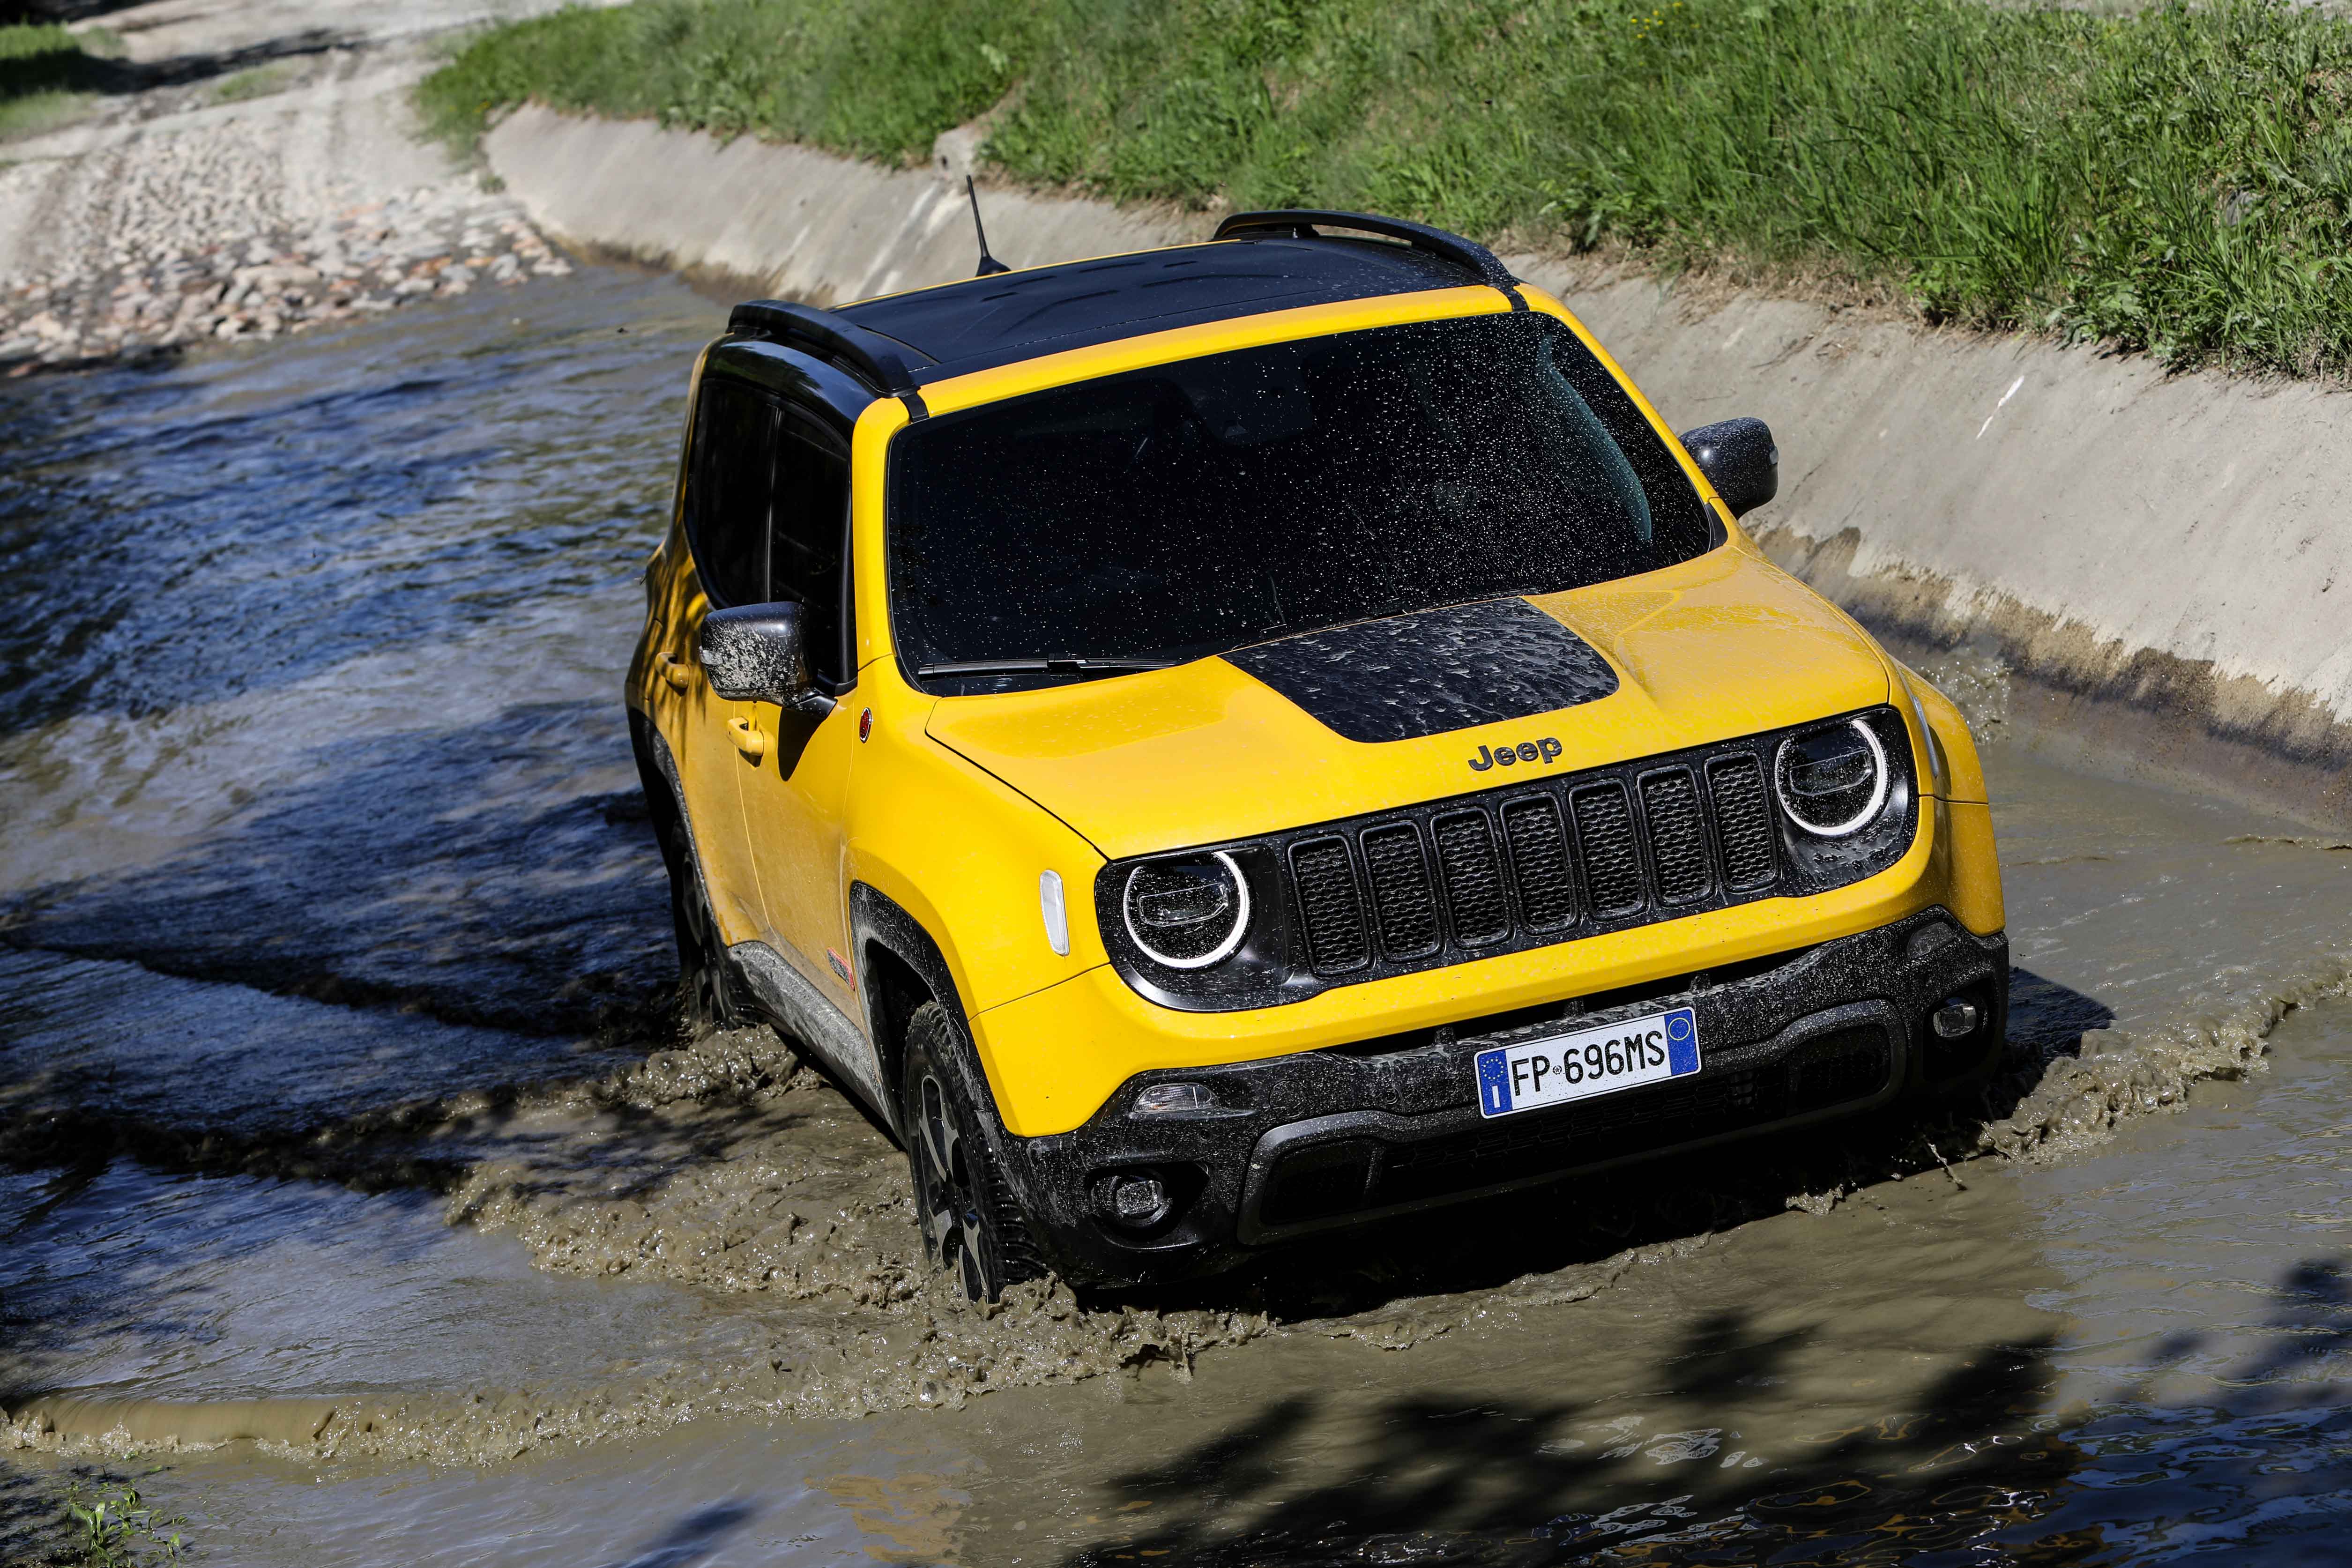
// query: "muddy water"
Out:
[355,1178]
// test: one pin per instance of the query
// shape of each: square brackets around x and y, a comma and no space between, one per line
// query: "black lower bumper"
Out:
[1323,1138]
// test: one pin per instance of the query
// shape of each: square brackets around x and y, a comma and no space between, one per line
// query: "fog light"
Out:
[1956,1019]
[1137,1200]
[1175,1100]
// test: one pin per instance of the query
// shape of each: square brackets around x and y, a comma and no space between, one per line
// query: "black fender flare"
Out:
[657,775]
[883,935]
[881,928]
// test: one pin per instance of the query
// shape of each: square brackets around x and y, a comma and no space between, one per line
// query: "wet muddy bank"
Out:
[2090,1364]
[2153,552]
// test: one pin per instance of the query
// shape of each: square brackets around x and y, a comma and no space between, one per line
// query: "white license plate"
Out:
[1558,1068]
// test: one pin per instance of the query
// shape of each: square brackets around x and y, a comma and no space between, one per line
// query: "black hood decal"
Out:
[1434,671]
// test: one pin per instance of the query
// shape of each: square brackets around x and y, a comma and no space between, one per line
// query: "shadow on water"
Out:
[693,1538]
[454,873]
[32,1516]
[1973,1468]
[2048,1019]
[1434,1482]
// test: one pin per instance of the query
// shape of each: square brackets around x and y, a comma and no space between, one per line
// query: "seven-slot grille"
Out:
[1550,861]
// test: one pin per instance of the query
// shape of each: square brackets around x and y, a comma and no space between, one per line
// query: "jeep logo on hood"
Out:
[1547,750]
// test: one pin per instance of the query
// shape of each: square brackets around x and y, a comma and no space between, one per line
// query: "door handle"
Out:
[748,740]
[673,669]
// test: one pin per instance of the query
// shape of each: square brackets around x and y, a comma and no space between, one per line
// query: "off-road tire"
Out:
[709,998]
[969,1223]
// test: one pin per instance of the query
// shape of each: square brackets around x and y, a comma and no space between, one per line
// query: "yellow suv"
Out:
[1226,741]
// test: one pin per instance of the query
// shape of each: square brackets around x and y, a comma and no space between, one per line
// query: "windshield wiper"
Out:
[1043,666]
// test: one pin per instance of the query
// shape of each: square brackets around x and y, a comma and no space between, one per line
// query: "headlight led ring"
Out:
[1859,820]
[1234,895]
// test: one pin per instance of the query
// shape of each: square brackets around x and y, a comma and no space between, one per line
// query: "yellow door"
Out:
[718,743]
[794,803]
[708,739]
[793,811]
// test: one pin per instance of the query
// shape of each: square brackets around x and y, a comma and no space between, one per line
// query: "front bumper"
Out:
[1318,1139]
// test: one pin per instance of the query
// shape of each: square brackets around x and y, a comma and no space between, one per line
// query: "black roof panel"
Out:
[982,322]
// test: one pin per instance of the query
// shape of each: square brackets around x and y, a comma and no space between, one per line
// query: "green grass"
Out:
[254,82]
[50,75]
[2178,179]
[114,1527]
[45,57]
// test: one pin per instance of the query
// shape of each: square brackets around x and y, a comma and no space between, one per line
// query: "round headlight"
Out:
[1832,780]
[1188,913]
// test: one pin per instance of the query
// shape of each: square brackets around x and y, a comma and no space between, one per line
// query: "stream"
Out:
[356,1187]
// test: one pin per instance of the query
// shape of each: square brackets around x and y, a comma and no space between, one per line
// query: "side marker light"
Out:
[1175,1100]
[864,725]
[1057,915]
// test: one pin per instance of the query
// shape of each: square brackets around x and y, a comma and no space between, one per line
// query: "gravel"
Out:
[172,221]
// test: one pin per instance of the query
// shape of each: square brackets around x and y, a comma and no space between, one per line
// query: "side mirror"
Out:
[1738,458]
[757,653]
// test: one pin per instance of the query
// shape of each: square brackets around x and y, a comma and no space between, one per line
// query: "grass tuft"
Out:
[2176,179]
[114,1527]
[40,57]
[50,75]
[874,80]
[254,82]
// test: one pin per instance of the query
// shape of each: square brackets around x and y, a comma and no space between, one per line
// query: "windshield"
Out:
[1165,514]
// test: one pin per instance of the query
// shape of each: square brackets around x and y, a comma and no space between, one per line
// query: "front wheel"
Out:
[970,1225]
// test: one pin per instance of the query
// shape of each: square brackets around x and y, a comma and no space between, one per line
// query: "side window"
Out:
[728,490]
[810,529]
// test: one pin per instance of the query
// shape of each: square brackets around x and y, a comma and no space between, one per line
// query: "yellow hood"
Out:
[1724,645]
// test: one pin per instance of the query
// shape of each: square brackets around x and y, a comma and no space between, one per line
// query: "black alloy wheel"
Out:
[969,1226]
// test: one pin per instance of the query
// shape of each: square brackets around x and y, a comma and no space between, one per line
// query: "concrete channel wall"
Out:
[2155,558]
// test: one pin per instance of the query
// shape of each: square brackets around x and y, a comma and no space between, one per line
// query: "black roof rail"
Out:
[1301,224]
[880,361]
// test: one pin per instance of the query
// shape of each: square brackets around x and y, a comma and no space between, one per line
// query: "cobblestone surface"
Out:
[171,218]
[373,257]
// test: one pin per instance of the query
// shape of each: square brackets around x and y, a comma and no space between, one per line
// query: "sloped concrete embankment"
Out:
[2155,557]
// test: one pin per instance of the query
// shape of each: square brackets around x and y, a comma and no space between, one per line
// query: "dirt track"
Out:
[189,210]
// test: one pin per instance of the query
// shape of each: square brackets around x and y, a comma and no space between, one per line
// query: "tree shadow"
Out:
[1969,1467]
[72,69]
[1439,1481]
[32,1519]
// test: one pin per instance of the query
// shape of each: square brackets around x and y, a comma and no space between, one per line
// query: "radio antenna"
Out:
[988,265]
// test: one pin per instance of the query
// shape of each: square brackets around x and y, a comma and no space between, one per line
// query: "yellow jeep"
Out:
[1226,741]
